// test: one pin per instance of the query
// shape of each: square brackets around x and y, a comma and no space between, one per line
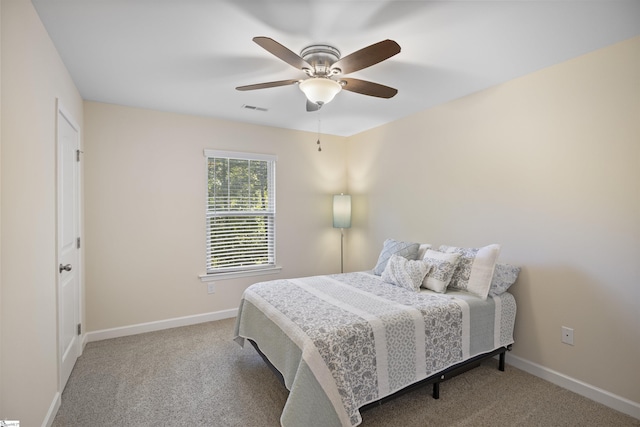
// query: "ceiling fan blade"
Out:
[367,56]
[282,52]
[368,88]
[267,85]
[312,106]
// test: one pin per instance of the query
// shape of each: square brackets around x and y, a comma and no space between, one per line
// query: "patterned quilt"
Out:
[343,341]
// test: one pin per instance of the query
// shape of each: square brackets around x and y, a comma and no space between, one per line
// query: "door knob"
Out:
[65,267]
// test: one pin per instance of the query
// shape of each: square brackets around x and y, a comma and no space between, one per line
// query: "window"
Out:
[241,211]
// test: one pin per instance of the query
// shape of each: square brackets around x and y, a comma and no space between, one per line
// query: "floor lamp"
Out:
[341,220]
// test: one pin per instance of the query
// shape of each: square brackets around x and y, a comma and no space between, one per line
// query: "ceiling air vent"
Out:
[253,107]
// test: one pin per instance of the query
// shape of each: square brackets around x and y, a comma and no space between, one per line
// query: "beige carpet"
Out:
[198,376]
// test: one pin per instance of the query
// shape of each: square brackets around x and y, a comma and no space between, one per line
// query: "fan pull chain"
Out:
[318,142]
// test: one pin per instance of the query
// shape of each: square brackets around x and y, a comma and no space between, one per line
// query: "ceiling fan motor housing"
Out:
[321,57]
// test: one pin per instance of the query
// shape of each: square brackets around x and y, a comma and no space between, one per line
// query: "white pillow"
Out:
[405,273]
[475,268]
[422,249]
[444,264]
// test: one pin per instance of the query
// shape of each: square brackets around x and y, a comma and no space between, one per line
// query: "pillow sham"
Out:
[405,273]
[444,264]
[504,276]
[390,247]
[475,268]
[422,249]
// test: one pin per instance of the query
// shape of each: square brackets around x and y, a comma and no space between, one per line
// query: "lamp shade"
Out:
[320,90]
[341,211]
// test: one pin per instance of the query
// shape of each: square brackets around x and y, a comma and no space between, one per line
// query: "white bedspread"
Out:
[345,340]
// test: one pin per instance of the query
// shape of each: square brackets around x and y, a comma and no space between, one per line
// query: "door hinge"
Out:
[78,155]
[79,328]
[78,243]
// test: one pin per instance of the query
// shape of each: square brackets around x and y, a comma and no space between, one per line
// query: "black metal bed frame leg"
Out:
[448,373]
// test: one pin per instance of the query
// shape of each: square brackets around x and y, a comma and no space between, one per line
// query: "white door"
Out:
[68,185]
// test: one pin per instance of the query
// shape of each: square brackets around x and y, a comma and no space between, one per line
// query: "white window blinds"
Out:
[240,211]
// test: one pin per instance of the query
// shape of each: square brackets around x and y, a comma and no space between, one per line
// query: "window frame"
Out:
[249,270]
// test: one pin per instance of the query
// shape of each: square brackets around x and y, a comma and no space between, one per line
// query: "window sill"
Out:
[237,274]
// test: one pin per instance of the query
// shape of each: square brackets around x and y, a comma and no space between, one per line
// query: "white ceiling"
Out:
[188,56]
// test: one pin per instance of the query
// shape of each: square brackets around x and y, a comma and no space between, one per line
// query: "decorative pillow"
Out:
[504,276]
[405,273]
[405,249]
[444,264]
[475,268]
[422,249]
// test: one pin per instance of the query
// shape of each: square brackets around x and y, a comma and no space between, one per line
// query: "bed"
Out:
[343,341]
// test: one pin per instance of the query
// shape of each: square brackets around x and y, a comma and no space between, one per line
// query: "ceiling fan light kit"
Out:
[321,63]
[320,90]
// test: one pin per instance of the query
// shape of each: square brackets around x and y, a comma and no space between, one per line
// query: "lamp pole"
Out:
[341,250]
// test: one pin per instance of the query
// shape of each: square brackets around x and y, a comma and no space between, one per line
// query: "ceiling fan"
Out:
[324,66]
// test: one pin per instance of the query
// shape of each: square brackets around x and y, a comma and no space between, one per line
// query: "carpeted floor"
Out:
[198,376]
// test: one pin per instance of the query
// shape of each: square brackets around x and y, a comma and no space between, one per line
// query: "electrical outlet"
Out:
[211,288]
[567,335]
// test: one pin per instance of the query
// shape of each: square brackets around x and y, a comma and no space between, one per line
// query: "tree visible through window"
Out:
[240,211]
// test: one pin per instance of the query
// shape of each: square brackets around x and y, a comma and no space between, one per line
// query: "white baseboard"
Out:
[53,410]
[140,328]
[596,394]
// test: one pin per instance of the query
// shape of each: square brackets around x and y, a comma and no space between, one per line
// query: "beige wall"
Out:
[33,77]
[145,206]
[548,165]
